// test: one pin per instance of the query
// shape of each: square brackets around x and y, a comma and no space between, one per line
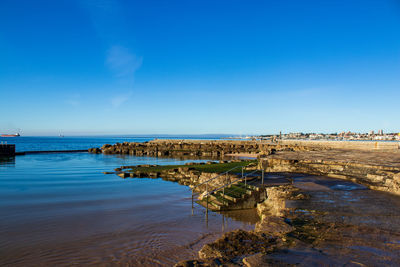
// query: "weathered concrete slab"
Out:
[378,170]
[377,158]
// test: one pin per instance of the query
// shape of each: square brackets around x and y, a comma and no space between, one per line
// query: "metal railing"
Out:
[226,184]
[233,182]
[219,175]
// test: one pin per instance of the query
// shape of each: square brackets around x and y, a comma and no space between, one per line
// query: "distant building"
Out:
[371,133]
[380,132]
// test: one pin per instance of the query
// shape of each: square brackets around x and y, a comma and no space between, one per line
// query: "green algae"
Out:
[209,168]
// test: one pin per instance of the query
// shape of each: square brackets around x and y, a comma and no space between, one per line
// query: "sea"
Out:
[61,210]
[45,143]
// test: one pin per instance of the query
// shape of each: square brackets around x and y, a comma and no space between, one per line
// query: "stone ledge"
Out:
[377,170]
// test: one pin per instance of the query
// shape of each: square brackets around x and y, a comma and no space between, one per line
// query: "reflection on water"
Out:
[59,209]
[7,161]
[249,216]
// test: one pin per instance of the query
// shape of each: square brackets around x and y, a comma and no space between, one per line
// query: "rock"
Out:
[123,174]
[94,150]
[375,169]
[209,252]
[275,205]
[261,260]
[238,242]
[273,225]
[106,146]
[154,174]
[215,148]
[197,263]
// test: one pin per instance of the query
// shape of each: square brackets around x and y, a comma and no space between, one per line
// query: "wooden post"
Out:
[207,196]
[262,176]
[192,202]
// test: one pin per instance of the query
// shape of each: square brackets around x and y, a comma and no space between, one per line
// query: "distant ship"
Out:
[10,135]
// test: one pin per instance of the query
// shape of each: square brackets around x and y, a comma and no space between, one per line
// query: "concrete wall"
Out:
[7,150]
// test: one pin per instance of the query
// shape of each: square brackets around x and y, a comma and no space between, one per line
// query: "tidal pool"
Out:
[60,209]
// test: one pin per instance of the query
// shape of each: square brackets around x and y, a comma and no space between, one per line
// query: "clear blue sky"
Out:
[191,66]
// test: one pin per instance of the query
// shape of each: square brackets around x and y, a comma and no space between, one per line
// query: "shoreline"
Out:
[290,226]
[302,215]
[308,224]
[308,190]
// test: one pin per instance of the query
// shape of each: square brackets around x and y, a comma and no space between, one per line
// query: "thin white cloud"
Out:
[118,100]
[122,62]
[108,19]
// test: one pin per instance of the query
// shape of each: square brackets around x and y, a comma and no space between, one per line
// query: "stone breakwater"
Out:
[377,170]
[221,148]
[199,148]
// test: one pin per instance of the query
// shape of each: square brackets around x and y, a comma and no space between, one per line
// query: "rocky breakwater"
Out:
[377,170]
[196,148]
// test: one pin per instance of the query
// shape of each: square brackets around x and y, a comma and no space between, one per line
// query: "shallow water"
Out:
[351,203]
[60,209]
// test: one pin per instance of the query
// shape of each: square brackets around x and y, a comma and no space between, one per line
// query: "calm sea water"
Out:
[27,143]
[60,209]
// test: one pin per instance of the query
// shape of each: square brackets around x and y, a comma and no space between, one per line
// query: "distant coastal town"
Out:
[343,136]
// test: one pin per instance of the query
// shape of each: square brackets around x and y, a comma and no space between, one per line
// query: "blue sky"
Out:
[195,67]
